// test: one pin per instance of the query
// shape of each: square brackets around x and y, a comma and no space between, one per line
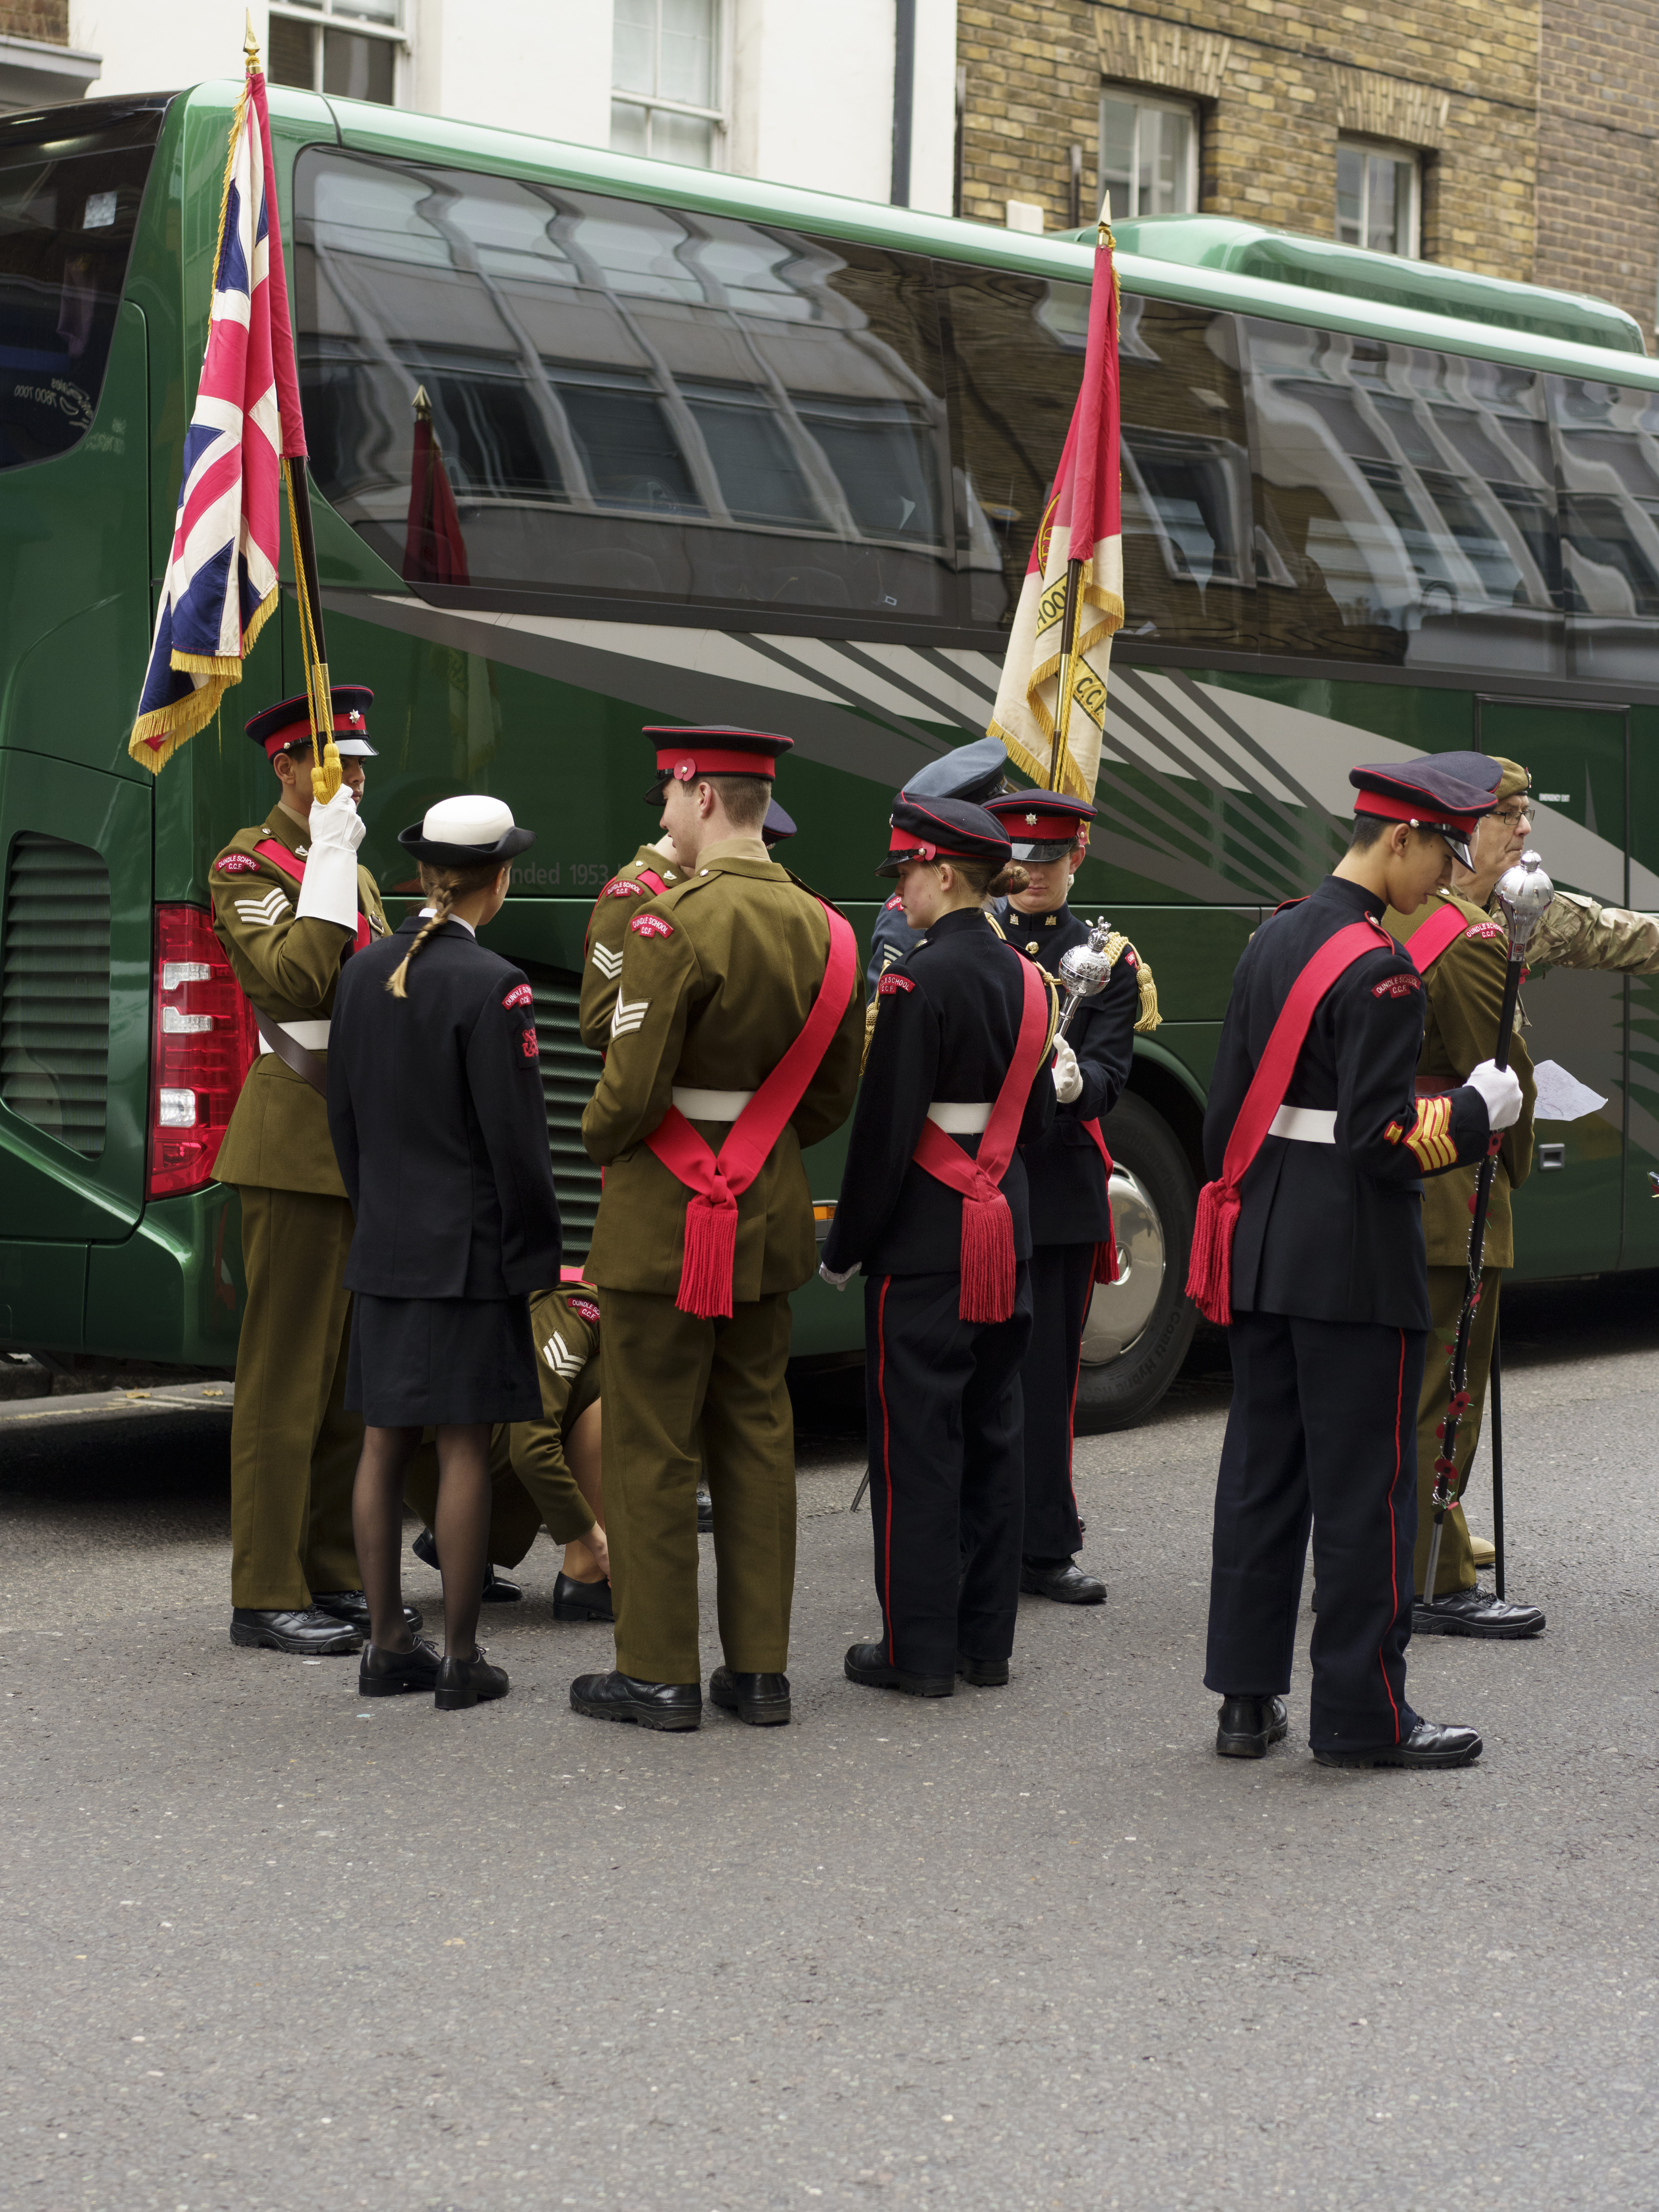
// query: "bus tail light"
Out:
[203,1041]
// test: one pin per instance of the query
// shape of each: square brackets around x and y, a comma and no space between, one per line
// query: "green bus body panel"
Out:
[43,1296]
[1187,862]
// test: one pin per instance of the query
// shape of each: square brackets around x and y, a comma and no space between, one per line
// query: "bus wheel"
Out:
[1139,1327]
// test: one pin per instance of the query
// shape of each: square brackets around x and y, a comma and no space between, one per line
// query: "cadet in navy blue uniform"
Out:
[435,1105]
[958,1024]
[1329,1292]
[973,774]
[1066,1174]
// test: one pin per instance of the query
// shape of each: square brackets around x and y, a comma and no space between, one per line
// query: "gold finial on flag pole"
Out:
[251,45]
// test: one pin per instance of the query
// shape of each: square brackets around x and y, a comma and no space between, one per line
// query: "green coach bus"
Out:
[724,451]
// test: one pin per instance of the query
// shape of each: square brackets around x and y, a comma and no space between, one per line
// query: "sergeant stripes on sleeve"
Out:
[1429,1138]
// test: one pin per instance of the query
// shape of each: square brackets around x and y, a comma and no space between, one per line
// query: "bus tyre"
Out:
[1138,1328]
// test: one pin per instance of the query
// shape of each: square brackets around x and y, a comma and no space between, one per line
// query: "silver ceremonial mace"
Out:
[1085,971]
[1524,892]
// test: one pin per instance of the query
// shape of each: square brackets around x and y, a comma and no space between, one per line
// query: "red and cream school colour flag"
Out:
[1082,521]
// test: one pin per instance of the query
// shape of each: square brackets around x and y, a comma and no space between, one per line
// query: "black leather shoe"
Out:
[865,1663]
[618,1697]
[1474,1613]
[983,1674]
[310,1635]
[384,1674]
[762,1700]
[352,1607]
[497,1590]
[1247,1725]
[705,1512]
[1065,1584]
[463,1682]
[1428,1745]
[574,1601]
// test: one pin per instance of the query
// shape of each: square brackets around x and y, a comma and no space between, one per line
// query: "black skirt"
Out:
[420,1361]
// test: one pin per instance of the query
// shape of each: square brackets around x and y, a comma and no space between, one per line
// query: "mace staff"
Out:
[1524,893]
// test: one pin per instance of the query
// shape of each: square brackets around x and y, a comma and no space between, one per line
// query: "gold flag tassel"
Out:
[326,774]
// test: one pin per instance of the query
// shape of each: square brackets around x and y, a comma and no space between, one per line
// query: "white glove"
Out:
[1068,1075]
[1500,1087]
[328,892]
[836,1282]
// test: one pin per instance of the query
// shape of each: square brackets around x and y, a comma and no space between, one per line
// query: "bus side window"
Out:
[1609,438]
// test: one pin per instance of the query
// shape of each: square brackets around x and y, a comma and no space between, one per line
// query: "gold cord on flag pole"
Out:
[326,775]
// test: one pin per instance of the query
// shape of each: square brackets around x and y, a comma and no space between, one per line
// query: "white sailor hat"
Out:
[465,832]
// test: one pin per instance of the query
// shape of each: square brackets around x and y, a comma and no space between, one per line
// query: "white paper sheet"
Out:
[1561,1097]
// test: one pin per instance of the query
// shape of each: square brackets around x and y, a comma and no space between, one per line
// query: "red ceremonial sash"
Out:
[1209,1279]
[1437,935]
[279,855]
[717,1182]
[988,1226]
[1105,1252]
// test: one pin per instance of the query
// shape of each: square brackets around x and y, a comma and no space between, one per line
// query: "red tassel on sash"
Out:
[1210,1275]
[1106,1251]
[711,1253]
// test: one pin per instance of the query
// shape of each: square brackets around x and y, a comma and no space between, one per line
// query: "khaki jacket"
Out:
[607,934]
[1464,996]
[717,977]
[278,1135]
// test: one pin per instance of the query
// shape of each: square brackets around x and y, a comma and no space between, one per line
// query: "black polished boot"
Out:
[762,1700]
[497,1590]
[671,1706]
[705,1512]
[463,1682]
[868,1664]
[982,1673]
[574,1601]
[1427,1745]
[1247,1726]
[1063,1580]
[352,1607]
[383,1673]
[308,1634]
[1476,1613]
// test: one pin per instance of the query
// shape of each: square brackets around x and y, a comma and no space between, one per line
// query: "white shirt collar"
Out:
[426,912]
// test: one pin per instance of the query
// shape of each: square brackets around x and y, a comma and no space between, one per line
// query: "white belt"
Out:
[313,1035]
[1308,1125]
[710,1105]
[958,1119]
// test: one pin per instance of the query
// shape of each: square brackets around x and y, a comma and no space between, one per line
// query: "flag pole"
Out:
[1068,622]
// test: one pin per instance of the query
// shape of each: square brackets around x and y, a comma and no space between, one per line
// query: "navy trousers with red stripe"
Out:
[1062,1283]
[1323,1426]
[945,1491]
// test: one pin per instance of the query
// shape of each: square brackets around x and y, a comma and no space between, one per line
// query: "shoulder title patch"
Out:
[651,925]
[236,864]
[894,904]
[520,995]
[586,1308]
[891,982]
[1396,986]
[1483,929]
[623,889]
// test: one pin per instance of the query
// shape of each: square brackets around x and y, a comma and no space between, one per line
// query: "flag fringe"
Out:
[175,724]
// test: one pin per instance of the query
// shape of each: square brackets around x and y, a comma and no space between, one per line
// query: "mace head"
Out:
[1524,892]
[1085,970]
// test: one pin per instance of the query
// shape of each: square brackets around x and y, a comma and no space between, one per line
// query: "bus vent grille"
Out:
[569,1071]
[54,991]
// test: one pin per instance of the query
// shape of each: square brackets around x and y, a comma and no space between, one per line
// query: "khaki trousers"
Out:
[1456,1568]
[294,1448]
[680,1395]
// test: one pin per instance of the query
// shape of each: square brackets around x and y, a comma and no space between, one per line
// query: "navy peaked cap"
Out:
[975,772]
[943,829]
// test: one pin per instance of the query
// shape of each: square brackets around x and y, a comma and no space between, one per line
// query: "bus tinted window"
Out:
[1405,506]
[1608,436]
[689,407]
[69,190]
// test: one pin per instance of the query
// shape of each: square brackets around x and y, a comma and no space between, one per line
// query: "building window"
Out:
[666,78]
[1377,195]
[350,48]
[1148,155]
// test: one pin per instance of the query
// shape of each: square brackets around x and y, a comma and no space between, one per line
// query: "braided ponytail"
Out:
[443,886]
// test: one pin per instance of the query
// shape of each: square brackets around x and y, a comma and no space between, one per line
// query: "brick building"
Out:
[1516,138]
[38,67]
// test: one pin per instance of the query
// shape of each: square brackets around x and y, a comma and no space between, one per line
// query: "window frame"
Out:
[1412,158]
[1142,99]
[719,116]
[323,15]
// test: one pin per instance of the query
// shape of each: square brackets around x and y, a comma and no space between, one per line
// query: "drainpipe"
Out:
[904,96]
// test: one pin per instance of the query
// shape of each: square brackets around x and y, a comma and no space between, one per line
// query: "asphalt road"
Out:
[266,1946]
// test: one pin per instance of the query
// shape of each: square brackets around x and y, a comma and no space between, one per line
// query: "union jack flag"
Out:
[221,581]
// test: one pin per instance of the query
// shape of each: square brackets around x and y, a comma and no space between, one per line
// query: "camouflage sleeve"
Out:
[1579,933]
[607,934]
[278,959]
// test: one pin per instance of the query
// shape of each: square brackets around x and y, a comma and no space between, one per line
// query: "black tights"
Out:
[460,1526]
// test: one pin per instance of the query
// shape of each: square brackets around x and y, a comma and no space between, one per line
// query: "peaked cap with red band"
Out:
[288,723]
[1426,793]
[943,829]
[684,755]
[1044,825]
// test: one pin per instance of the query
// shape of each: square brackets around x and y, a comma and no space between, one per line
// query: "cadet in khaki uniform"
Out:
[719,977]
[290,905]
[545,1473]
[1463,993]
[652,871]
